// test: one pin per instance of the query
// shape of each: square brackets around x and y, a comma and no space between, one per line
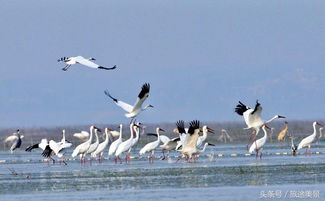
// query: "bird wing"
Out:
[180,126]
[258,109]
[241,108]
[11,138]
[176,139]
[82,135]
[193,126]
[127,107]
[56,147]
[86,62]
[16,144]
[306,141]
[30,148]
[143,95]
[164,139]
[253,117]
[47,152]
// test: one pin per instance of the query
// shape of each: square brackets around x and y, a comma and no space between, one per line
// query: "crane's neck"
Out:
[106,137]
[97,140]
[146,107]
[131,131]
[265,133]
[120,136]
[63,136]
[204,147]
[268,121]
[157,131]
[137,133]
[205,134]
[320,132]
[91,135]
[314,133]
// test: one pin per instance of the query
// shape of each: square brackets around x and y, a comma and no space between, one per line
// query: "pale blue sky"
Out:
[200,58]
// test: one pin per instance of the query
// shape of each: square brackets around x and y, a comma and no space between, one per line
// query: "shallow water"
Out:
[223,172]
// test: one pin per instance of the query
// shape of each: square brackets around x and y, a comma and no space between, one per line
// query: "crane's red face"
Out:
[97,129]
[319,124]
[266,126]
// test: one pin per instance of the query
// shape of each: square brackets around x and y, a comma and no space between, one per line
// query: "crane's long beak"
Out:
[281,116]
[319,124]
[266,126]
[162,130]
[210,130]
[99,130]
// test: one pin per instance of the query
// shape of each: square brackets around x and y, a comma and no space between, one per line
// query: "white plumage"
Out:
[151,146]
[115,144]
[102,146]
[133,111]
[258,144]
[306,142]
[126,145]
[83,147]
[93,146]
[81,60]
[201,139]
[252,117]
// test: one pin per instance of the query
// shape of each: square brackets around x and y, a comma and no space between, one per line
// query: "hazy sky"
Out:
[200,58]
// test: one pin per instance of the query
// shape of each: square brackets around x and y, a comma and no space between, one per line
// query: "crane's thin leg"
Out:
[66,67]
[164,157]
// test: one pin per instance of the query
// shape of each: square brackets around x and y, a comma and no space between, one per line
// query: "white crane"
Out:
[306,142]
[93,146]
[133,111]
[258,144]
[151,146]
[189,147]
[201,139]
[102,146]
[136,139]
[167,144]
[82,148]
[204,147]
[115,144]
[126,145]
[15,139]
[58,148]
[253,118]
[42,145]
[320,134]
[81,60]
[293,145]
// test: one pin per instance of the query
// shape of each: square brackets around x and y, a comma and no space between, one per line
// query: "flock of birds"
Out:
[189,143]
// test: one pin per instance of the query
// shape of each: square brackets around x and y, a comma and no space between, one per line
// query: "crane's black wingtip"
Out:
[109,95]
[105,68]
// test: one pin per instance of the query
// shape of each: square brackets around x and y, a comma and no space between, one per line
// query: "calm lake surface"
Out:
[223,172]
